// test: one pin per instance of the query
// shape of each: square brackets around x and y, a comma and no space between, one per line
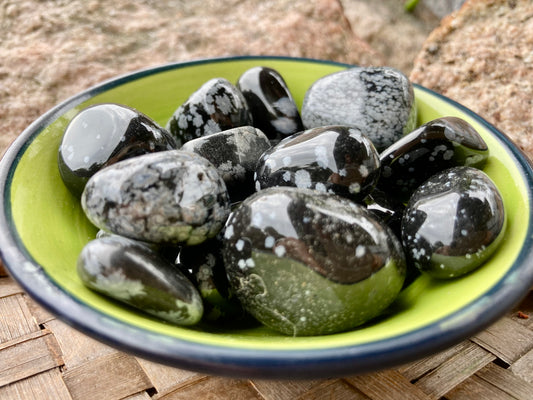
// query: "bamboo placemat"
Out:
[43,358]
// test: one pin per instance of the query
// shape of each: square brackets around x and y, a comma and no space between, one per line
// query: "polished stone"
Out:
[379,101]
[172,197]
[433,147]
[310,263]
[271,103]
[205,265]
[333,159]
[214,107]
[132,273]
[234,152]
[103,134]
[453,223]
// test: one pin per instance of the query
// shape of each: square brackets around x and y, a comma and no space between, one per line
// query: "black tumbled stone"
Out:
[435,146]
[103,134]
[216,106]
[205,265]
[132,273]
[453,222]
[270,101]
[333,159]
[308,263]
[387,209]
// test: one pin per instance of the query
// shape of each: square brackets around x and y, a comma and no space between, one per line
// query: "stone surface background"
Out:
[52,49]
[482,57]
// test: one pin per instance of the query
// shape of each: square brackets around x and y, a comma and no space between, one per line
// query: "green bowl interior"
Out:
[50,223]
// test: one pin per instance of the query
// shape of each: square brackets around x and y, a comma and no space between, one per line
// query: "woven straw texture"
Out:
[43,358]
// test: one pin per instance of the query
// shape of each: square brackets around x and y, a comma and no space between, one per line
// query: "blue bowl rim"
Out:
[245,362]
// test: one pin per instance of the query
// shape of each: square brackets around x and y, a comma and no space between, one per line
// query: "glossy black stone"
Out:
[169,197]
[132,273]
[216,106]
[271,103]
[379,101]
[453,222]
[435,146]
[103,134]
[334,159]
[309,263]
[205,264]
[234,152]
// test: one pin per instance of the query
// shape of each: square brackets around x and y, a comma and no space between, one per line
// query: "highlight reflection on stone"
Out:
[270,101]
[103,134]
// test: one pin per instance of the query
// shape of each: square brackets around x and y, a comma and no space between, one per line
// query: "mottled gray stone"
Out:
[166,197]
[214,107]
[234,152]
[379,101]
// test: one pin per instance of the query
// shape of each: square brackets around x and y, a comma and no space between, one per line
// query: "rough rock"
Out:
[51,50]
[481,56]
[441,8]
[390,30]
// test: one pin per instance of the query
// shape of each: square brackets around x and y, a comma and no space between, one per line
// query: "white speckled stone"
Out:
[453,222]
[166,197]
[379,101]
[234,152]
[332,159]
[214,107]
[309,263]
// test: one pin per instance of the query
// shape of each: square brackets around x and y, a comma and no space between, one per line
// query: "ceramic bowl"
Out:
[43,229]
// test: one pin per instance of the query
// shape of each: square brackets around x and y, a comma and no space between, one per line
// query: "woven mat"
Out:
[43,358]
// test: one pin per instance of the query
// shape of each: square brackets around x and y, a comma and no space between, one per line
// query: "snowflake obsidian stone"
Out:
[333,159]
[103,134]
[132,273]
[310,263]
[167,197]
[216,106]
[433,147]
[205,266]
[453,222]
[234,152]
[270,101]
[379,101]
